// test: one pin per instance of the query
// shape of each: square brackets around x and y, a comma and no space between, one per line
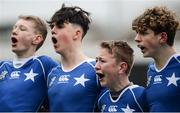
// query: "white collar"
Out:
[19,62]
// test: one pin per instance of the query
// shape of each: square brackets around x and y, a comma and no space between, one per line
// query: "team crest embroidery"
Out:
[15,75]
[173,80]
[3,74]
[81,80]
[127,109]
[30,75]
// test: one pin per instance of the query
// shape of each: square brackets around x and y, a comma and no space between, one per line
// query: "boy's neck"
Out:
[163,57]
[72,60]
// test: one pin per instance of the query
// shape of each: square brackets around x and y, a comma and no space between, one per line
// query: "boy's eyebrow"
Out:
[51,25]
[97,58]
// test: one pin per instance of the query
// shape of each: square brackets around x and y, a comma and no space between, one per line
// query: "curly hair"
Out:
[158,19]
[121,52]
[74,15]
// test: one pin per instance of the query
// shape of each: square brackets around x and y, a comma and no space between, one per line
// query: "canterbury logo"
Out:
[112,108]
[64,79]
[15,74]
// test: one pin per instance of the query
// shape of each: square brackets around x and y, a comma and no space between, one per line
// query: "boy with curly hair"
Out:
[156,29]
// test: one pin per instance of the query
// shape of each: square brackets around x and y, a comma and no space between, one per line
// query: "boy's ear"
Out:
[123,67]
[37,39]
[78,33]
[163,37]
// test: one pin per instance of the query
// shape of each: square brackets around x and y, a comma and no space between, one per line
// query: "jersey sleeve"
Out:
[140,94]
[48,64]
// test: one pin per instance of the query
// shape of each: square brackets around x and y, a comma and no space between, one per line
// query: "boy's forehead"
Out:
[25,22]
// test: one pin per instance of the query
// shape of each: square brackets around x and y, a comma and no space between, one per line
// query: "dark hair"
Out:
[121,52]
[74,15]
[158,19]
[40,26]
